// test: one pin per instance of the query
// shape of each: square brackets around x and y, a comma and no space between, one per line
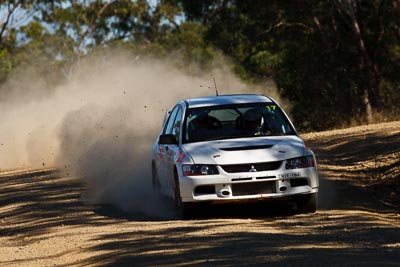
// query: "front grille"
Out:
[241,179]
[243,189]
[264,166]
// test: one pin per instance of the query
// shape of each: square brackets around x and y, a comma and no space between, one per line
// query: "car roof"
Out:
[226,100]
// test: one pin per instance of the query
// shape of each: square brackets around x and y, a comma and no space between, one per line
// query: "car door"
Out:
[165,153]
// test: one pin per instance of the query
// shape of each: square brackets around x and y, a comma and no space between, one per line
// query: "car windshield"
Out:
[235,121]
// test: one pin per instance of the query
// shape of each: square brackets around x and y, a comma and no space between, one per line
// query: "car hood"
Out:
[245,150]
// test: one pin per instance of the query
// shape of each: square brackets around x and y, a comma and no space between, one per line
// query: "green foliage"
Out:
[6,65]
[326,57]
[323,55]
[188,43]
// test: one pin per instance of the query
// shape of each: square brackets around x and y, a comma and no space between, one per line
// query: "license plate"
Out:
[289,175]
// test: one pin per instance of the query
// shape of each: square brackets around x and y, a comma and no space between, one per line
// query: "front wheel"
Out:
[178,204]
[307,203]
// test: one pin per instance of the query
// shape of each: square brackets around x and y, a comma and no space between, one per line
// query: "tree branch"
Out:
[284,24]
[11,10]
[92,25]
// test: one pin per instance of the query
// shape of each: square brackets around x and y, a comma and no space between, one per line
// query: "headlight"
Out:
[301,162]
[199,169]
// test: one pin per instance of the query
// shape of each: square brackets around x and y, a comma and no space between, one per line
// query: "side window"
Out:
[170,122]
[177,124]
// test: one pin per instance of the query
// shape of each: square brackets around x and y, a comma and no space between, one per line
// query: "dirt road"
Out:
[44,223]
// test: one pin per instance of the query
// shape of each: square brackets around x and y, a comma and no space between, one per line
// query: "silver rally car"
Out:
[219,149]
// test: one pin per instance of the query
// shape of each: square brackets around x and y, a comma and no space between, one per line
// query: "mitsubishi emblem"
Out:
[252,169]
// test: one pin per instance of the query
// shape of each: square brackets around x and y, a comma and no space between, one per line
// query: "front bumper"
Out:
[279,183]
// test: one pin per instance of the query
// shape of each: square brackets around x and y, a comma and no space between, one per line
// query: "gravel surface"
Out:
[44,222]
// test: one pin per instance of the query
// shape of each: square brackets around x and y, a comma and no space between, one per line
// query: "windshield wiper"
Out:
[222,137]
[278,134]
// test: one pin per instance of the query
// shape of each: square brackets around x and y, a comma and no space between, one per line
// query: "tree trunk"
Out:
[367,106]
[368,80]
[396,6]
[368,77]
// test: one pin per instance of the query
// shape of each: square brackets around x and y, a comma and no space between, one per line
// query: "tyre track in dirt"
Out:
[44,223]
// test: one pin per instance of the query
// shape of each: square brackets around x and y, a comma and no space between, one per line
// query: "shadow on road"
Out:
[34,202]
[349,230]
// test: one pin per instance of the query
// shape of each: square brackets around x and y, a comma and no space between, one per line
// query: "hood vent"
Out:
[240,148]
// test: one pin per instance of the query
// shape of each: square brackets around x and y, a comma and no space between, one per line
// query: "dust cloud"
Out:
[101,124]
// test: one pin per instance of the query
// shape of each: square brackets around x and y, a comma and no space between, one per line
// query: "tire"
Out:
[307,203]
[179,206]
[155,180]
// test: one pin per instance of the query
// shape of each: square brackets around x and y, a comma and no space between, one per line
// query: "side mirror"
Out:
[167,139]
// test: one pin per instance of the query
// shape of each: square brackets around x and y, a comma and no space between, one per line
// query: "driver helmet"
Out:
[252,119]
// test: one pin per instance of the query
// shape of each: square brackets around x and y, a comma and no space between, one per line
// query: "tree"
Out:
[13,16]
[67,30]
[327,56]
[336,60]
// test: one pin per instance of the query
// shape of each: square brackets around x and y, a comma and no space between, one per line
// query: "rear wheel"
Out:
[155,180]
[307,203]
